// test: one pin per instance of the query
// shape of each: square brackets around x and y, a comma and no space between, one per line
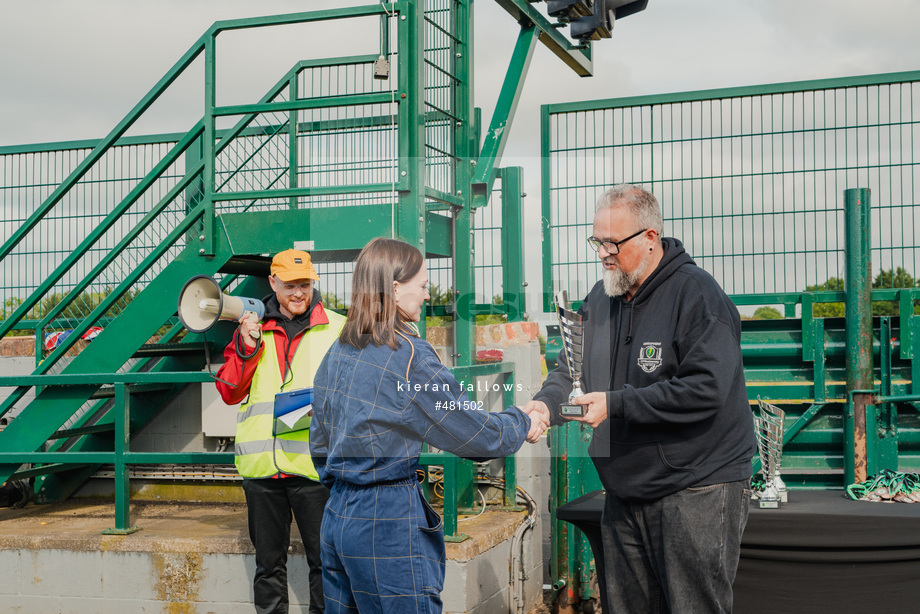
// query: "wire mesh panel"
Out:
[441,83]
[28,178]
[750,179]
[488,242]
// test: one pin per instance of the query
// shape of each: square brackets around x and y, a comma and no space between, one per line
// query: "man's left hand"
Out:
[595,408]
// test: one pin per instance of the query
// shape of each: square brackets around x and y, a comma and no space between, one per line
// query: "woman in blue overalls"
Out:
[380,392]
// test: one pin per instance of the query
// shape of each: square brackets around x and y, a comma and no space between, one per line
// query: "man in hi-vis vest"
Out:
[270,362]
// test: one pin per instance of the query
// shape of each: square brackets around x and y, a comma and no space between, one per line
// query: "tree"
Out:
[331,301]
[886,279]
[828,310]
[898,278]
[439,297]
[767,313]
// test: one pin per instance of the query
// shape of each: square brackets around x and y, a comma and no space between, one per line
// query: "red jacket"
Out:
[238,371]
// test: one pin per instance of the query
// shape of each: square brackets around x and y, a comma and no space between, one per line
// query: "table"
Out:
[819,553]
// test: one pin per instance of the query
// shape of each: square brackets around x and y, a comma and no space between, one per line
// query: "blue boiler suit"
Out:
[382,544]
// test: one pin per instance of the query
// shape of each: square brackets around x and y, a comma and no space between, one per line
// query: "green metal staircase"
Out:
[229,199]
[336,153]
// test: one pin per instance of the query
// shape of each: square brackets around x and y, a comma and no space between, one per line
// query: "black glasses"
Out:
[612,247]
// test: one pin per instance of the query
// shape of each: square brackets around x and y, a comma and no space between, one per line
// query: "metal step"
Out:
[171,349]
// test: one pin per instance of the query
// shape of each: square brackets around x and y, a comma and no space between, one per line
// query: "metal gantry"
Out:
[381,141]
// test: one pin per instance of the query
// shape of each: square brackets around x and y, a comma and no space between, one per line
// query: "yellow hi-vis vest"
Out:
[259,452]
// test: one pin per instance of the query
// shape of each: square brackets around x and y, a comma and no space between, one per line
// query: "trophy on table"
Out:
[769,427]
[572,327]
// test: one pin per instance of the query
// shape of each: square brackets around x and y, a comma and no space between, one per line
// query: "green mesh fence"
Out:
[750,179]
[343,150]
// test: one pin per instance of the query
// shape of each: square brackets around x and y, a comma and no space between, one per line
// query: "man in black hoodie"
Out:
[673,430]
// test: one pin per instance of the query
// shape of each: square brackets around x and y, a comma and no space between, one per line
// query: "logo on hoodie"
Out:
[650,356]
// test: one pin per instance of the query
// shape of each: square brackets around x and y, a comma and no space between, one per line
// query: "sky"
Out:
[71,69]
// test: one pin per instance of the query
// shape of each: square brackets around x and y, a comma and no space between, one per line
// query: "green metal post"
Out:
[819,365]
[808,329]
[464,246]
[887,428]
[513,284]
[510,494]
[905,311]
[409,220]
[451,500]
[208,243]
[914,323]
[122,481]
[546,206]
[858,309]
[195,191]
[39,346]
[293,155]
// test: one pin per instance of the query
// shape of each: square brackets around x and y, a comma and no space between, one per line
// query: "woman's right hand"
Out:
[539,419]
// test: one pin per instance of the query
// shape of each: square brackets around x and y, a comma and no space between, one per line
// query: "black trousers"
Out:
[271,503]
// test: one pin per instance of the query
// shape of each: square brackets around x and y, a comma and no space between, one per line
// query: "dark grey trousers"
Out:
[271,503]
[678,554]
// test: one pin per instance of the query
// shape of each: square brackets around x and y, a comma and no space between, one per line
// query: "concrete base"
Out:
[197,559]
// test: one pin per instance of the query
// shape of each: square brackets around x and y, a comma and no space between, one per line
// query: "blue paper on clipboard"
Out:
[286,402]
[293,410]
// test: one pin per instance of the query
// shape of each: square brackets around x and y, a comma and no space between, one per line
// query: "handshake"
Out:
[538,413]
[595,413]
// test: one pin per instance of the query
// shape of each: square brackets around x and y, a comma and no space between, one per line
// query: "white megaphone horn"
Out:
[202,304]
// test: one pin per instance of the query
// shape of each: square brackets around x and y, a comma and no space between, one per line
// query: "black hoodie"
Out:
[670,362]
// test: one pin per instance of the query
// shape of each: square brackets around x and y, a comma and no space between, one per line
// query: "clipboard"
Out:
[293,410]
[286,402]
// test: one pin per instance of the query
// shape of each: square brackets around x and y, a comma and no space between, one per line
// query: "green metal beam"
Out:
[443,197]
[502,117]
[306,191]
[279,229]
[306,17]
[305,104]
[131,458]
[576,57]
[96,378]
[736,92]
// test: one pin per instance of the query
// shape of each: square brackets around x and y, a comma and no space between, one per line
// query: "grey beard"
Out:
[617,282]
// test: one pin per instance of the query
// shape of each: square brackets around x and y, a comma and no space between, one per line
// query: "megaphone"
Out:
[202,304]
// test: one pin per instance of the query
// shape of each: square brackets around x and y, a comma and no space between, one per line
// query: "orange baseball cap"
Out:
[293,264]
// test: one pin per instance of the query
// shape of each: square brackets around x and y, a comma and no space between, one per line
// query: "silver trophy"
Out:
[572,327]
[769,426]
